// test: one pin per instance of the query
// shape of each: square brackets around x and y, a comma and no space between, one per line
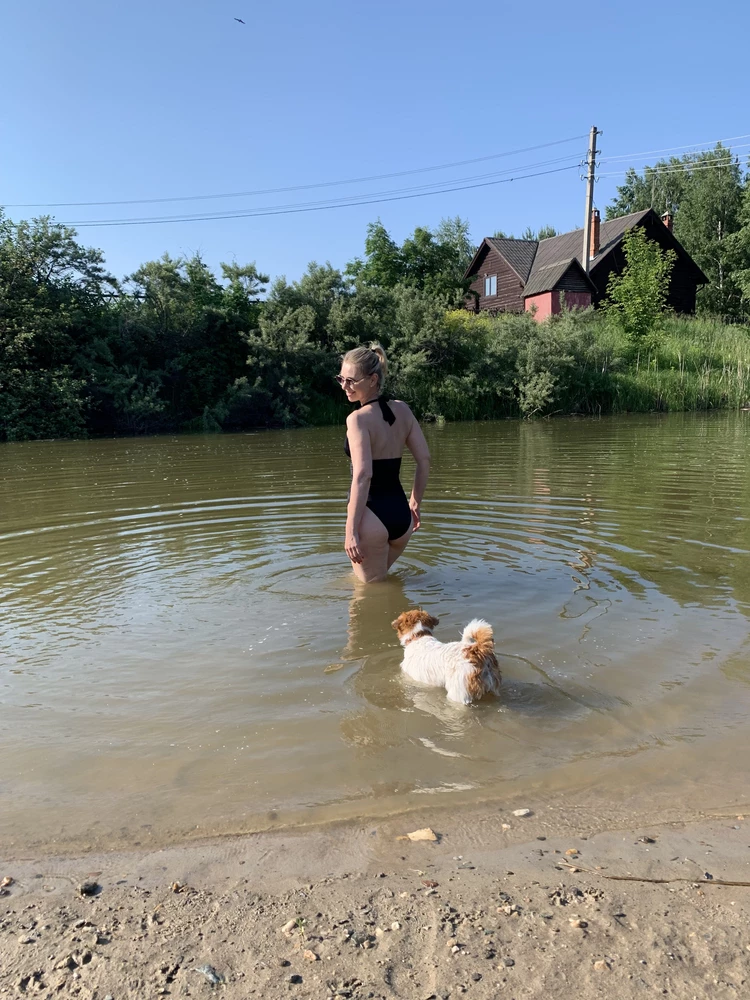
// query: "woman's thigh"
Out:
[373,544]
[397,546]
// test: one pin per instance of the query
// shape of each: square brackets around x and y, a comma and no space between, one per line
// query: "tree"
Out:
[639,294]
[709,213]
[544,233]
[703,191]
[434,262]
[53,327]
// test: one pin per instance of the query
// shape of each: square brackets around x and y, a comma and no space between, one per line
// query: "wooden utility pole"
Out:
[591,161]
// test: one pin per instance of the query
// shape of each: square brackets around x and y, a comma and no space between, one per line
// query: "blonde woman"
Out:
[380,520]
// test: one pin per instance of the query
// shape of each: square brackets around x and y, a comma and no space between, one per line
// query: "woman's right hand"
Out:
[414,506]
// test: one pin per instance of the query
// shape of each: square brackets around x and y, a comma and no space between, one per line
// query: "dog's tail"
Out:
[479,645]
[478,633]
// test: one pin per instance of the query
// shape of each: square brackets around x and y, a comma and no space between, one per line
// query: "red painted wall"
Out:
[548,303]
[544,305]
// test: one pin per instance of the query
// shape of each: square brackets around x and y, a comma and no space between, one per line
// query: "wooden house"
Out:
[510,275]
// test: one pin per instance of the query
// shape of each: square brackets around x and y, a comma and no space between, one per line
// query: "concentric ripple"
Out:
[183,649]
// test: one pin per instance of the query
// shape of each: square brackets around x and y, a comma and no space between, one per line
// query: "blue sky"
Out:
[163,99]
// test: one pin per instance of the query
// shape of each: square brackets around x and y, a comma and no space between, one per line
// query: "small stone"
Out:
[282,962]
[541,838]
[571,852]
[294,978]
[310,956]
[429,884]
[575,922]
[476,976]
[88,888]
[6,882]
[522,813]
[26,939]
[506,826]
[508,963]
[395,926]
[646,840]
[379,933]
[426,834]
[601,964]
[289,926]
[452,942]
[455,949]
[210,974]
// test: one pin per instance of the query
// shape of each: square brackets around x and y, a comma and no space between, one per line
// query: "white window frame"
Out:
[490,285]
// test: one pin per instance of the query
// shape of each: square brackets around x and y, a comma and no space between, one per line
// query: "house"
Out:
[510,275]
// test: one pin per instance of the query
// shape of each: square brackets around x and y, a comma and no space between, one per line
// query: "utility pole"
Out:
[591,161]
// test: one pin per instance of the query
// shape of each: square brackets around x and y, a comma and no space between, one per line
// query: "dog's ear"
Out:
[431,622]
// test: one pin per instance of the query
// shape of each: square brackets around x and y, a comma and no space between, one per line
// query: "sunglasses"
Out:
[346,383]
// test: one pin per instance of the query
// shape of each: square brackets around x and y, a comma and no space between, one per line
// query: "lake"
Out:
[183,650]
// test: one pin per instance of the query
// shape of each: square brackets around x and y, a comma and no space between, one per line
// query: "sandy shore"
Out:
[490,909]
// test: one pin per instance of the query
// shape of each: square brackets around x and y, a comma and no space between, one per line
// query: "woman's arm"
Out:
[361,454]
[417,445]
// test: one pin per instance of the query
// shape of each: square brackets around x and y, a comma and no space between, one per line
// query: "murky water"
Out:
[183,650]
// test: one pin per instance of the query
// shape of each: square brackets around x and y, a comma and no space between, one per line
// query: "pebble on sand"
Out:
[521,813]
[289,926]
[425,834]
[310,956]
[88,888]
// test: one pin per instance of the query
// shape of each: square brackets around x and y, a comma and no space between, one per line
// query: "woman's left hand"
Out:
[351,545]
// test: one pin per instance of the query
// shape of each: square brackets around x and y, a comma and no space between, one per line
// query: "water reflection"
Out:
[181,640]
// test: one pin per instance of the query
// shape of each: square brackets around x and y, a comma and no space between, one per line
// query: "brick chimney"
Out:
[668,220]
[595,226]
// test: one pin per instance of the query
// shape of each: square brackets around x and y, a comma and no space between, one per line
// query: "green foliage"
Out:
[704,193]
[176,347]
[638,295]
[433,262]
[544,233]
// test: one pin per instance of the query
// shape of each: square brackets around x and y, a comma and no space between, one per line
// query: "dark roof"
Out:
[535,262]
[545,279]
[559,248]
[519,254]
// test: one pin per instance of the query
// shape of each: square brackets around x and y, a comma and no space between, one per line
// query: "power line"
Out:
[677,168]
[313,207]
[294,187]
[424,188]
[672,149]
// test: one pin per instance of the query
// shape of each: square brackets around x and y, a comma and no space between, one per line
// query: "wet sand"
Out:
[492,908]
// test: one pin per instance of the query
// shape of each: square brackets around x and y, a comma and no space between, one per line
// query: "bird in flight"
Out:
[239,19]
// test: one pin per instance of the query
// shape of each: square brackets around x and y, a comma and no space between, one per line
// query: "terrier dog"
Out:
[467,669]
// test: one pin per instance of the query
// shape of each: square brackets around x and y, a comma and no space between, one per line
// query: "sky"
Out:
[166,99]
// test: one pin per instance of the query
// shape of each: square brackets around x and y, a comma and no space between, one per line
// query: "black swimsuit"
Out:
[387,499]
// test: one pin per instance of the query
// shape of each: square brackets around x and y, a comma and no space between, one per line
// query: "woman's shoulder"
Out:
[401,408]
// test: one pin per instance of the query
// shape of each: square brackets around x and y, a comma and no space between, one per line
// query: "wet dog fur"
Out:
[467,669]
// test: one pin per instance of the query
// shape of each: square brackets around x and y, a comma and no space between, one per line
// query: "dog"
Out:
[467,669]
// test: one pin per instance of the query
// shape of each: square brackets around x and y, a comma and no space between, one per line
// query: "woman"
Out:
[380,520]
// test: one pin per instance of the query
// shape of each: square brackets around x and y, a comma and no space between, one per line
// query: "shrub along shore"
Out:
[174,348]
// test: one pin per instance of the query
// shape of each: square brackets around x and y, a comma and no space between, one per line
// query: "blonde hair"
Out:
[369,361]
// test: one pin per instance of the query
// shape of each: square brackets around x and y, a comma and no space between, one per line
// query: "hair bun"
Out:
[378,350]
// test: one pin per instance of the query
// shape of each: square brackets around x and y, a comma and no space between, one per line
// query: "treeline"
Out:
[176,347]
[708,195]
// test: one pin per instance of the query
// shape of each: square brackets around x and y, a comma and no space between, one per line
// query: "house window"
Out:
[490,285]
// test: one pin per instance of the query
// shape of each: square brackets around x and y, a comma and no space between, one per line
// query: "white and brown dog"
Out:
[467,669]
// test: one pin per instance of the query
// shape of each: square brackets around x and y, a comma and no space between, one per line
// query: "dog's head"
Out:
[409,620]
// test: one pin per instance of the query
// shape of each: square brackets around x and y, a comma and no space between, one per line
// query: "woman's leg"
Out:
[397,546]
[373,544]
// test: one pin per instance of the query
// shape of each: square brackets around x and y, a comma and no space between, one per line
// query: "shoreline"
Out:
[363,918]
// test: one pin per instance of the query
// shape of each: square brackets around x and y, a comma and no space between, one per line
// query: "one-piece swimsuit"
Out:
[386,498]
